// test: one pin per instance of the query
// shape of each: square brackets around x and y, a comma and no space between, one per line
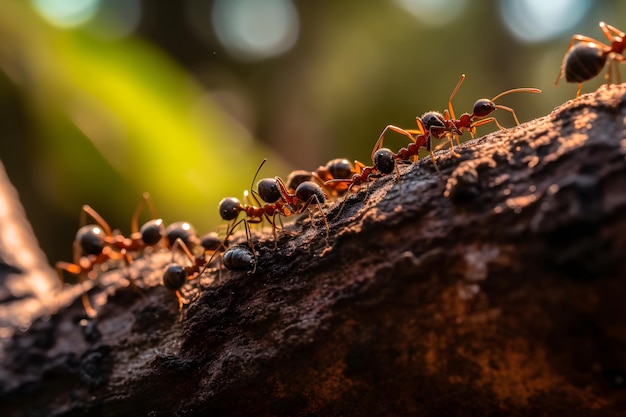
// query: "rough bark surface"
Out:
[495,288]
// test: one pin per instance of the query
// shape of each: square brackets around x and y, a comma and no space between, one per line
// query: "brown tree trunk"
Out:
[495,288]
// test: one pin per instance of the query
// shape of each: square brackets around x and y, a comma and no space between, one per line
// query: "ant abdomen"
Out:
[583,62]
[384,160]
[240,258]
[432,119]
[309,191]
[183,231]
[268,190]
[90,238]
[211,242]
[297,177]
[340,168]
[174,277]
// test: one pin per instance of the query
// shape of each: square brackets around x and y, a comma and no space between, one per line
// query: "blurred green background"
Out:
[104,99]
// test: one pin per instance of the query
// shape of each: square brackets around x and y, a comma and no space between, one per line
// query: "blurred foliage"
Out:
[167,110]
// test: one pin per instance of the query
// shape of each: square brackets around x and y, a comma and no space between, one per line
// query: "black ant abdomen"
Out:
[433,119]
[240,258]
[384,160]
[211,242]
[91,238]
[340,168]
[183,231]
[583,62]
[297,177]
[268,190]
[309,191]
[174,277]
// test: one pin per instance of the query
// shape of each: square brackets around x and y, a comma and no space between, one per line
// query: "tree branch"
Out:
[494,288]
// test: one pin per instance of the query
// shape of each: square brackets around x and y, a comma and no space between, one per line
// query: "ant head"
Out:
[174,277]
[340,168]
[483,108]
[183,231]
[309,190]
[297,177]
[90,238]
[229,208]
[432,119]
[211,241]
[268,190]
[240,258]
[152,232]
[384,160]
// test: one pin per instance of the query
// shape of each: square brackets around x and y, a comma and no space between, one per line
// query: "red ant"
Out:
[89,250]
[383,164]
[440,125]
[586,59]
[175,275]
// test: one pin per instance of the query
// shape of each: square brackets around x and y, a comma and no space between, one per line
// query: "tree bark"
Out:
[495,287]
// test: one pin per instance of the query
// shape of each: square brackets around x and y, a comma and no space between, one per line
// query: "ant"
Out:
[175,275]
[339,168]
[383,164]
[150,233]
[89,250]
[586,59]
[230,207]
[440,125]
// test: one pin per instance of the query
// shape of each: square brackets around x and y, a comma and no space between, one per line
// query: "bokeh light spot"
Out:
[433,12]
[66,13]
[541,20]
[252,29]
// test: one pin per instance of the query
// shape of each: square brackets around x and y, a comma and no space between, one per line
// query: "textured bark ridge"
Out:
[495,288]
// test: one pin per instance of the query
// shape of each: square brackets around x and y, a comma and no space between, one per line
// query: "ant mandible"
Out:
[586,59]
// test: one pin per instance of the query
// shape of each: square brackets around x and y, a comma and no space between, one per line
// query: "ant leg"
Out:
[319,206]
[87,210]
[379,142]
[78,272]
[450,108]
[146,201]
[611,32]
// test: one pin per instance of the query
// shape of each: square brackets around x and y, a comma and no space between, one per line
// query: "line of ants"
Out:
[96,244]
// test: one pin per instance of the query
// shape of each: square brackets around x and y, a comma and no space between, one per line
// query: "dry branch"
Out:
[496,288]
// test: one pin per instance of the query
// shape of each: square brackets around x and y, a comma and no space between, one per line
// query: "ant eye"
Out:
[229,208]
[151,232]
